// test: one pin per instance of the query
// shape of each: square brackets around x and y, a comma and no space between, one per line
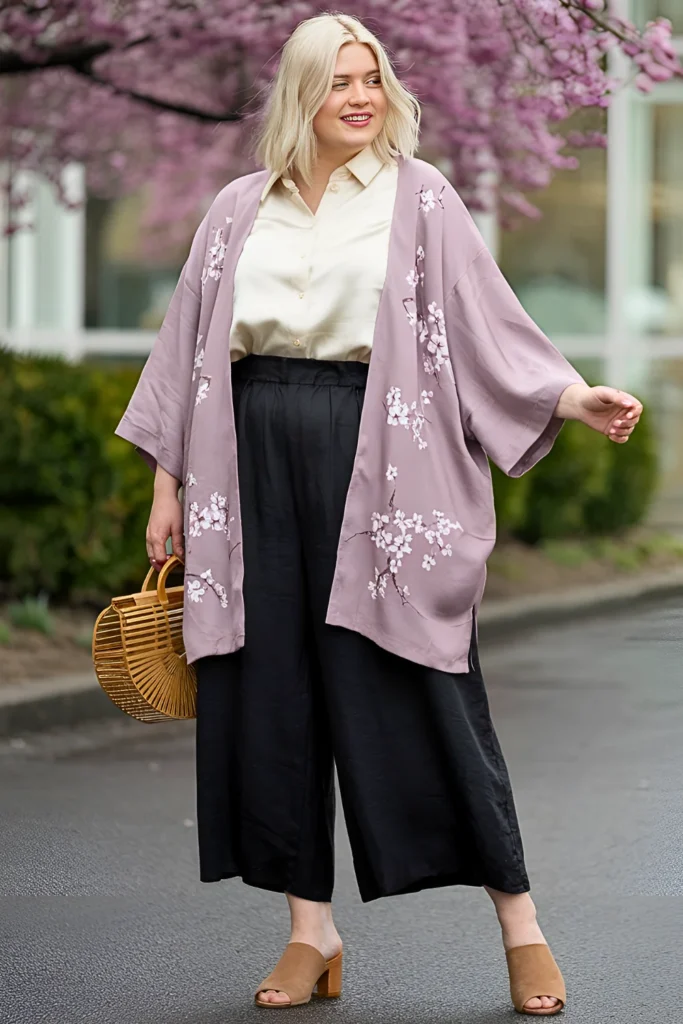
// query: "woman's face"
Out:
[356,90]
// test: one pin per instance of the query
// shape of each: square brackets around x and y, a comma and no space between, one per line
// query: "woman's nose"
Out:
[359,96]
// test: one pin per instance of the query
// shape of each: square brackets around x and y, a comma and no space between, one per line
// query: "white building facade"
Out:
[601,271]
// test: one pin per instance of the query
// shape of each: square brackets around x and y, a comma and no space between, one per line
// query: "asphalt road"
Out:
[102,919]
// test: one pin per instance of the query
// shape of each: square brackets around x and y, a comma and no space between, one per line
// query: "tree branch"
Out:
[605,26]
[80,60]
[157,104]
[14,64]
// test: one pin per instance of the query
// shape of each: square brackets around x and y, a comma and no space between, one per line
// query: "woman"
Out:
[327,618]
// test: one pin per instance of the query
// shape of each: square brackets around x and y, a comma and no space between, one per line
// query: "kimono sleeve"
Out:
[155,418]
[508,374]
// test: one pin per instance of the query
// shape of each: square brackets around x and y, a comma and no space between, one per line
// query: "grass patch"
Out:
[661,544]
[31,613]
[84,638]
[627,559]
[624,555]
[5,635]
[504,564]
[568,553]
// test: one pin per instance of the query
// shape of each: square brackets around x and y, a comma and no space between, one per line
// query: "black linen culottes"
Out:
[424,786]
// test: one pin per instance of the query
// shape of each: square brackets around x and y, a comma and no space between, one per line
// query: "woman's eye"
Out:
[373,81]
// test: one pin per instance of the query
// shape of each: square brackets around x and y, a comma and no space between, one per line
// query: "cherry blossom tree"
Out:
[165,91]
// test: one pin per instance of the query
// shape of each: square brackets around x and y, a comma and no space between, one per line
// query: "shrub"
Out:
[562,483]
[586,486]
[629,484]
[31,613]
[511,496]
[74,499]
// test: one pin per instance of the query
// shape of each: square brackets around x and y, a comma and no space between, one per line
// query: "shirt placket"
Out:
[331,199]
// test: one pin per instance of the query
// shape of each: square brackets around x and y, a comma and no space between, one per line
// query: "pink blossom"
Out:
[495,79]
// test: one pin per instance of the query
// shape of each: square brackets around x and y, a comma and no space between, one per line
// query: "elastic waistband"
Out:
[283,370]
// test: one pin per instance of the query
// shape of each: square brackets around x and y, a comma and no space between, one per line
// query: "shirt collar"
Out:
[364,166]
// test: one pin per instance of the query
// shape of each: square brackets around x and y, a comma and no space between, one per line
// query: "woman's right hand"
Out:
[165,520]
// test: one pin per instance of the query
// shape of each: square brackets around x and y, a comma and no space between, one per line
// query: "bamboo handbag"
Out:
[139,655]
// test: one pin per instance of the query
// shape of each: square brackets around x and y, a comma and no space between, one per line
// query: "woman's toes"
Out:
[541,1003]
[273,996]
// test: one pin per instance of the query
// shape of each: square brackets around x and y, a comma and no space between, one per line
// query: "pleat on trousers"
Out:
[424,786]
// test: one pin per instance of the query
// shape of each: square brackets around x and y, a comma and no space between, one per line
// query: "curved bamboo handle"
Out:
[169,565]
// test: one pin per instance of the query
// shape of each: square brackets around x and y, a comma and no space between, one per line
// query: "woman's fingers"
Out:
[621,430]
[156,547]
[177,537]
[159,548]
[165,521]
[629,418]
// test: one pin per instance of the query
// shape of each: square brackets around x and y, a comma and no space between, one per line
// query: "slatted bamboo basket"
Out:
[139,655]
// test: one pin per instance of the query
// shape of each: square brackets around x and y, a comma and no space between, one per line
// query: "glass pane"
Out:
[648,10]
[126,285]
[665,402]
[557,264]
[666,271]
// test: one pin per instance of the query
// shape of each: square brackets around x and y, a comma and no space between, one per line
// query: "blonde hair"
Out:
[285,137]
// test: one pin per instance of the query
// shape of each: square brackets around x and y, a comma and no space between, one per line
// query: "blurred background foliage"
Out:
[75,499]
[586,487]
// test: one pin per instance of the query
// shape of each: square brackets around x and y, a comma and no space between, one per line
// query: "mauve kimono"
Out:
[458,372]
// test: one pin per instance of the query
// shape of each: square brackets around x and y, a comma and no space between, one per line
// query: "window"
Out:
[127,286]
[648,10]
[557,264]
[666,204]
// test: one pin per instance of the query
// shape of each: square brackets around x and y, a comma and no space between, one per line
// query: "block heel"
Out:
[330,983]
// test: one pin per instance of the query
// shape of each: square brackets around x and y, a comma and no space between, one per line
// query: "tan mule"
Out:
[534,973]
[300,970]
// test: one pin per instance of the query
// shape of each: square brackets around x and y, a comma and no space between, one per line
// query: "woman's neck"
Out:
[326,162]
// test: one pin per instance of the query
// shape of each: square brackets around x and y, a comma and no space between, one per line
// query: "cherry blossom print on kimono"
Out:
[459,374]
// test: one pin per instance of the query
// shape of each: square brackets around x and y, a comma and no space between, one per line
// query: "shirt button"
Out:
[334,187]
[297,343]
[301,295]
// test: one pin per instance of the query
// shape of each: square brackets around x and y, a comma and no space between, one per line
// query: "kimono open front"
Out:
[458,372]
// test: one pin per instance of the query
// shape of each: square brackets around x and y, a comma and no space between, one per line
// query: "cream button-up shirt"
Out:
[308,285]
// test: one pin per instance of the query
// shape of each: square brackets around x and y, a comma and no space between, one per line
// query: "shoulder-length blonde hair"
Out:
[285,136]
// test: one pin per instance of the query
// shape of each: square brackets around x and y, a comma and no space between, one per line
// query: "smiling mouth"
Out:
[356,118]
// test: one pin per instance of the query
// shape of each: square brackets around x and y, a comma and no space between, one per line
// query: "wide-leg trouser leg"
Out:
[265,786]
[425,789]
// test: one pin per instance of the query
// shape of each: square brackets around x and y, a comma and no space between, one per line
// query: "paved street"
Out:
[103,921]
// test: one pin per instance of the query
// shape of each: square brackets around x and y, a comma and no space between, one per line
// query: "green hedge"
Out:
[587,486]
[75,499]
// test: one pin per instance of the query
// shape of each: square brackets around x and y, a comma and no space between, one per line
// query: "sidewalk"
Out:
[67,701]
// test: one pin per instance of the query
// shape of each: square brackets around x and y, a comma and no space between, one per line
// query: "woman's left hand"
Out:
[607,410]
